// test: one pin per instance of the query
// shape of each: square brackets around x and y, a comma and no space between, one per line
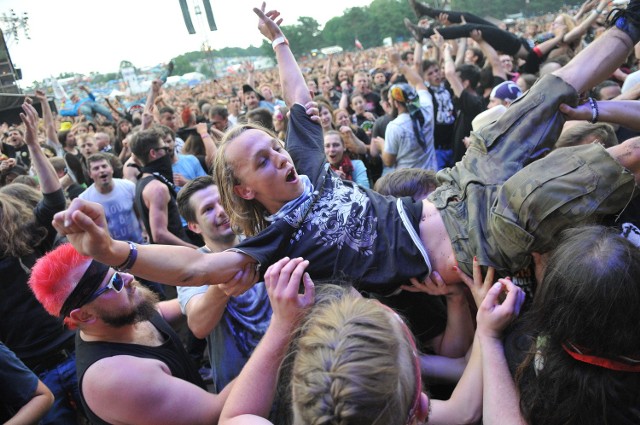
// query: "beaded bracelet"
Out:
[594,110]
[131,258]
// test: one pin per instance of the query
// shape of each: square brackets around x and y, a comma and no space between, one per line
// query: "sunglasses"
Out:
[116,283]
[166,149]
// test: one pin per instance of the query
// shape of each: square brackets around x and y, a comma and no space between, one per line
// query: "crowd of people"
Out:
[333,227]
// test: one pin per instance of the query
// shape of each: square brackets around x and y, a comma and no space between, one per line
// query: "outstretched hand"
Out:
[85,226]
[494,317]
[269,23]
[282,280]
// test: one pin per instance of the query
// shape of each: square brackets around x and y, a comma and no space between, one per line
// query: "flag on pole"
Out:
[358,44]
[58,90]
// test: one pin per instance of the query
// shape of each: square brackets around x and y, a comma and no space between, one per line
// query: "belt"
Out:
[50,360]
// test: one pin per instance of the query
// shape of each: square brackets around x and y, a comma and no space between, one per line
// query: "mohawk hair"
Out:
[50,280]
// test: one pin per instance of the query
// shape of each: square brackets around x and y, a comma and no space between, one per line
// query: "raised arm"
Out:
[328,66]
[87,91]
[152,95]
[113,108]
[253,390]
[450,71]
[49,124]
[501,403]
[409,72]
[47,176]
[418,53]
[294,87]
[582,28]
[547,46]
[490,54]
[210,147]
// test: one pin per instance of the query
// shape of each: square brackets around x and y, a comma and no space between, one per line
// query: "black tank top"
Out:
[171,353]
[174,224]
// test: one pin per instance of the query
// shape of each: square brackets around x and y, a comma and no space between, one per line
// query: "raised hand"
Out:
[478,285]
[493,317]
[85,226]
[269,23]
[30,120]
[282,280]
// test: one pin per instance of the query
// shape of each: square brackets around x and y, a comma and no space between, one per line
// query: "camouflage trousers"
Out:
[501,202]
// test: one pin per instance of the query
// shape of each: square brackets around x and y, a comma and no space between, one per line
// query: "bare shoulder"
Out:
[155,191]
[104,381]
[245,420]
[118,369]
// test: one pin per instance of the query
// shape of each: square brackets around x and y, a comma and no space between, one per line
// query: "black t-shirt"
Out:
[27,329]
[342,229]
[445,116]
[468,105]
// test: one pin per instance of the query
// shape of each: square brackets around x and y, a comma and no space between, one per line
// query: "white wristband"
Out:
[278,41]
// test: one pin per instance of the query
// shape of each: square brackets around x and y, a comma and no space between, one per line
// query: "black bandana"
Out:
[162,170]
[86,287]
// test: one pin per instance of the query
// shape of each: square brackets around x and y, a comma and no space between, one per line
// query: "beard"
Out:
[141,312]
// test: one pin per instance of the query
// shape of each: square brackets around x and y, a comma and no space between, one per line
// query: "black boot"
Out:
[420,9]
[418,32]
[627,20]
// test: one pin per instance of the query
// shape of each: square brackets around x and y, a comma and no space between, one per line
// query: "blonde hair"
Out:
[353,364]
[246,215]
[568,21]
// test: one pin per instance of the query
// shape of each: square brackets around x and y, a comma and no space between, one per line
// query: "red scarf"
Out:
[346,166]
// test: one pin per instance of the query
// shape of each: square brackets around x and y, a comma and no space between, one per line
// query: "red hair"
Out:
[50,280]
[187,117]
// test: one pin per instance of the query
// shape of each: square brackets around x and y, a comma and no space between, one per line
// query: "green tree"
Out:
[303,36]
[500,8]
[371,24]
[182,65]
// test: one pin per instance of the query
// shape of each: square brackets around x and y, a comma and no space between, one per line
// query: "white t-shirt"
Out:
[118,208]
[400,139]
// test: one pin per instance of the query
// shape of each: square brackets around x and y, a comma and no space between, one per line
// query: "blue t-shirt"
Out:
[17,384]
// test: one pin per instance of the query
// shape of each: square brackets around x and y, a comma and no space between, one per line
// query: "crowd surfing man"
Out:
[496,204]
